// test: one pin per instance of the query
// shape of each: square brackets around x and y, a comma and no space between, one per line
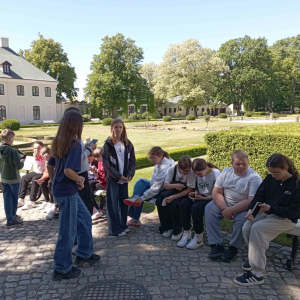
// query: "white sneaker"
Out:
[122,233]
[168,233]
[126,230]
[152,201]
[196,242]
[98,214]
[28,205]
[176,237]
[185,239]
[43,205]
[51,213]
[21,202]
[48,207]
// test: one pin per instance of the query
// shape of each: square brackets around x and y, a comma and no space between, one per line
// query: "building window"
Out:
[35,91]
[180,108]
[143,109]
[1,89]
[20,90]
[192,109]
[2,112]
[197,108]
[130,109]
[36,113]
[174,110]
[47,92]
[170,109]
[6,69]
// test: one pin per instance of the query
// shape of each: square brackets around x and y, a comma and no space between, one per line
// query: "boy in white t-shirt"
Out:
[233,192]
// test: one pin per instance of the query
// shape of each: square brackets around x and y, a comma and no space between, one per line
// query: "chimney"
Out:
[4,42]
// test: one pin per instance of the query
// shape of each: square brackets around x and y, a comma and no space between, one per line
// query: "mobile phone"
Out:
[256,209]
[192,198]
[94,141]
[164,203]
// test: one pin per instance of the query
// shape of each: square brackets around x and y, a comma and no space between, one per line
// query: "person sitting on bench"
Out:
[278,203]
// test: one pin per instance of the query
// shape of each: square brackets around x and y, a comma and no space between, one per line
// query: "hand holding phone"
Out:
[94,141]
[255,209]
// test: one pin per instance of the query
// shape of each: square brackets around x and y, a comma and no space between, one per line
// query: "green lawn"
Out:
[142,139]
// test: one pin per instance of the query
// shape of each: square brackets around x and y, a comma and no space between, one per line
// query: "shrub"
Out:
[12,124]
[86,118]
[222,116]
[204,113]
[248,114]
[167,119]
[146,115]
[134,116]
[107,121]
[190,117]
[142,161]
[297,110]
[259,142]
[275,116]
[241,113]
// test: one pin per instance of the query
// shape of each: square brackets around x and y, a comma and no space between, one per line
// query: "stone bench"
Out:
[95,120]
[294,234]
[48,122]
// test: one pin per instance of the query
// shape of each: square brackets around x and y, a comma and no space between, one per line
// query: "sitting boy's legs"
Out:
[26,179]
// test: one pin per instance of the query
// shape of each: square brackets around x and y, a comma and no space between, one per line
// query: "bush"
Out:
[241,113]
[107,121]
[10,124]
[222,115]
[86,118]
[146,115]
[297,110]
[259,142]
[190,117]
[248,114]
[167,119]
[142,161]
[204,113]
[134,116]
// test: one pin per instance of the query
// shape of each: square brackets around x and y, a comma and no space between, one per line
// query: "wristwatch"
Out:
[81,180]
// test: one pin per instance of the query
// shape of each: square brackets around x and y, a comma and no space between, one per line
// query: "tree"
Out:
[189,70]
[149,73]
[49,56]
[115,75]
[207,119]
[178,114]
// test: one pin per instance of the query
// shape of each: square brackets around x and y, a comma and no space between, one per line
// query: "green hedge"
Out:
[51,125]
[190,117]
[222,116]
[12,124]
[107,121]
[142,161]
[259,142]
[167,119]
[248,114]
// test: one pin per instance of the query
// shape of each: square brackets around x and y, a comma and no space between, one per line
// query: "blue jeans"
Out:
[10,195]
[140,187]
[74,220]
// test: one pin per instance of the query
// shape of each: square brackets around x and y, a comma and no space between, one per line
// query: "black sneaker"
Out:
[230,254]
[92,260]
[216,251]
[73,273]
[56,215]
[246,266]
[248,279]
[14,222]
[17,217]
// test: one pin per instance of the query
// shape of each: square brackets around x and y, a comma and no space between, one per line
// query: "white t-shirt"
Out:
[206,184]
[238,188]
[189,179]
[120,149]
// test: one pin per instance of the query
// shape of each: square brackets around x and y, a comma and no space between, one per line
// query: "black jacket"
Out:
[283,197]
[111,164]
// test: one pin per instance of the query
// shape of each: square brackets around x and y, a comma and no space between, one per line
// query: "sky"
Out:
[80,25]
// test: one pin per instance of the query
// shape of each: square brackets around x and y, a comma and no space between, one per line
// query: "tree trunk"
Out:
[187,111]
[158,110]
[195,111]
[114,111]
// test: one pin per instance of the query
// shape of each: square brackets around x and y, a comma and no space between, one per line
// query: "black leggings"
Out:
[26,179]
[95,185]
[85,193]
[195,209]
[46,189]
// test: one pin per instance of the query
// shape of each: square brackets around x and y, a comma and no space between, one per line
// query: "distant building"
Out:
[27,94]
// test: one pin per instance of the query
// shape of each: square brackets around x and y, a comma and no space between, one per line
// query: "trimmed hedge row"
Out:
[142,161]
[51,125]
[259,142]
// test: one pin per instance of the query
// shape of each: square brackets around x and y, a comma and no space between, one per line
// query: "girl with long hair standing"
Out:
[278,200]
[119,164]
[74,218]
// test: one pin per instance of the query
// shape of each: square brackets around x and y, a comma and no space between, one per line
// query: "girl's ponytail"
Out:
[212,166]
[199,164]
[158,151]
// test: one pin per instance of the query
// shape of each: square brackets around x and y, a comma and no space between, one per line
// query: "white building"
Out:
[27,94]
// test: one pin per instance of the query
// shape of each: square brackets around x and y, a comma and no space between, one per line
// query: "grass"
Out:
[142,139]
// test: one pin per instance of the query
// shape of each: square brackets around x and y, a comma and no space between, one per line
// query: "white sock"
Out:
[257,274]
[187,231]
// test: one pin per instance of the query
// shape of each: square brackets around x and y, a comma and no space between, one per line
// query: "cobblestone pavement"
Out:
[143,257]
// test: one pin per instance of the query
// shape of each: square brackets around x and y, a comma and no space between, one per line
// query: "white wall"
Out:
[21,107]
[61,107]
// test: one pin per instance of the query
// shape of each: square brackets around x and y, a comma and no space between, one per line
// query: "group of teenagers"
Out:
[186,194]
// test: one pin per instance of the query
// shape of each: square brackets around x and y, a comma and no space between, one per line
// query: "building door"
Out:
[165,111]
[22,113]
[49,113]
[143,108]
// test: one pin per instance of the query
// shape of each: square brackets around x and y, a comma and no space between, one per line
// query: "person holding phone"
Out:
[279,195]
[119,163]
[194,205]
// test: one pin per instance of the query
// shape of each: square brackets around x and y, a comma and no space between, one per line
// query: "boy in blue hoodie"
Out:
[10,164]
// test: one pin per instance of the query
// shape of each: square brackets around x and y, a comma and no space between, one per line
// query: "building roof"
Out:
[20,67]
